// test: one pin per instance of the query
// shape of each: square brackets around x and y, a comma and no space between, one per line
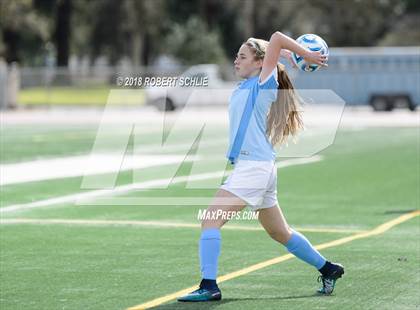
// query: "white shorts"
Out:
[255,182]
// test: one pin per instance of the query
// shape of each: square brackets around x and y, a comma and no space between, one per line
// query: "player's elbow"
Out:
[276,39]
[276,36]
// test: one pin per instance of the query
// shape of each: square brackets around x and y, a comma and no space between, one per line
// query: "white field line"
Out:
[157,224]
[101,163]
[95,163]
[66,167]
[134,186]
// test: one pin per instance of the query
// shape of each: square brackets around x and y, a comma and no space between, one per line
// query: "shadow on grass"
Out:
[214,304]
[399,211]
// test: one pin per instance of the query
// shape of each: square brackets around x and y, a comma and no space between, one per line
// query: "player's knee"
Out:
[212,223]
[215,217]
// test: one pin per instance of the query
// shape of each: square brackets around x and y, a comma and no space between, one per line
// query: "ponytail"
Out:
[285,117]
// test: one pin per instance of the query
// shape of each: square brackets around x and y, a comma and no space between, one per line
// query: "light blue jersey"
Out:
[256,145]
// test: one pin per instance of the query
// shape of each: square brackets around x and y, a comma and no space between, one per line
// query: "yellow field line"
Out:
[159,224]
[376,231]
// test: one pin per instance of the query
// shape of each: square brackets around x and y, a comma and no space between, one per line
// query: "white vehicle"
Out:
[176,92]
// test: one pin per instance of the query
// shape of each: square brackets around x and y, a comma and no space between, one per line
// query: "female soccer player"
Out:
[263,111]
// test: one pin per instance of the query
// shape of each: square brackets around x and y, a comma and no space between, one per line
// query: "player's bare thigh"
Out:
[223,201]
[274,223]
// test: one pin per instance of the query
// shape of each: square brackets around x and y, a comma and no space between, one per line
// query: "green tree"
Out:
[62,31]
[349,22]
[59,14]
[193,43]
[23,32]
[120,28]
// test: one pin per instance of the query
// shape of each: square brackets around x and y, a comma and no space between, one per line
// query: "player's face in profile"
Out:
[245,63]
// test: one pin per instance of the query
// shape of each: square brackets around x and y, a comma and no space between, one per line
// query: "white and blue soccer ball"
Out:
[313,43]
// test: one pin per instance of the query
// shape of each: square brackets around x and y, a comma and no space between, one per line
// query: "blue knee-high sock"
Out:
[299,246]
[209,252]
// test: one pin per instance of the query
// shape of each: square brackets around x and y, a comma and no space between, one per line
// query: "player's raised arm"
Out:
[279,41]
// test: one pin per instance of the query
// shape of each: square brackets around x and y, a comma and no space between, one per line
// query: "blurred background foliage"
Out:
[36,32]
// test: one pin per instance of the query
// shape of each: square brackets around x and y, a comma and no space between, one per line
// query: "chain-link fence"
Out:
[383,77]
[88,86]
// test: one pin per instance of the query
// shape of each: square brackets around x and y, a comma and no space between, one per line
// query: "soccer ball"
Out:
[314,43]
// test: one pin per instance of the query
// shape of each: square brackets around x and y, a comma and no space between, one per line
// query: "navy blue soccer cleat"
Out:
[202,294]
[329,280]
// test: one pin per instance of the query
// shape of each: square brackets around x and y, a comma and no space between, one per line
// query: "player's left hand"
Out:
[316,58]
[288,55]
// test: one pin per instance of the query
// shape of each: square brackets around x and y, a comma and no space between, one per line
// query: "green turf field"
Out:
[367,178]
[71,95]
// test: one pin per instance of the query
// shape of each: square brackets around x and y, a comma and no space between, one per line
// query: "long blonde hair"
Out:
[285,116]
